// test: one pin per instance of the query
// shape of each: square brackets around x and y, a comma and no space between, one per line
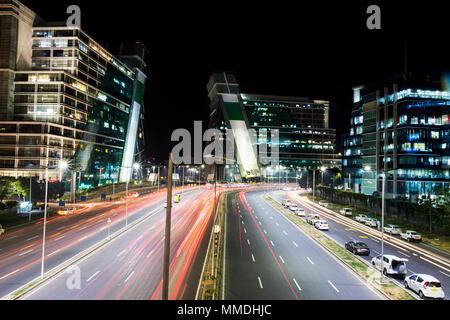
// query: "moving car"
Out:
[321,225]
[64,211]
[392,265]
[323,203]
[392,229]
[300,212]
[2,231]
[346,212]
[358,248]
[425,285]
[312,218]
[410,235]
[177,198]
[371,222]
[361,217]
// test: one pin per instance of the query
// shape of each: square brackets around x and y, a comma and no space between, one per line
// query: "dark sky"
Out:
[310,49]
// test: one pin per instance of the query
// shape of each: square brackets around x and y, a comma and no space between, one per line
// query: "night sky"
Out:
[311,49]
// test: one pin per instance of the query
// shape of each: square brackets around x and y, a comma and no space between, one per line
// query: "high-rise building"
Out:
[305,139]
[65,99]
[400,127]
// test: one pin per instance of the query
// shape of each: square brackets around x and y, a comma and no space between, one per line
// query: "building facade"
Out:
[65,99]
[305,141]
[404,133]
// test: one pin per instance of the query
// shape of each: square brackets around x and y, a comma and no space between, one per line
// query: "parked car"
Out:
[358,248]
[177,198]
[133,195]
[410,236]
[312,218]
[286,202]
[392,265]
[346,212]
[361,217]
[425,286]
[371,222]
[300,212]
[321,225]
[323,203]
[293,207]
[392,229]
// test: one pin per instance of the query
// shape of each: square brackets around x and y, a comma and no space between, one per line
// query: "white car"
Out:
[323,203]
[392,229]
[312,218]
[371,222]
[321,225]
[361,217]
[425,285]
[293,207]
[286,203]
[300,212]
[410,235]
[392,265]
[346,212]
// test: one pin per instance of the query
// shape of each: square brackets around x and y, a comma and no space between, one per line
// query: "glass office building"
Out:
[69,100]
[405,133]
[305,139]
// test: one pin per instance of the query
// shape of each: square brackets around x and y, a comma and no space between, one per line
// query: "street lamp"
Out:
[323,169]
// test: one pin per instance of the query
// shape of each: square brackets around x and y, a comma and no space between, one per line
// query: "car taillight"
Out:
[425,284]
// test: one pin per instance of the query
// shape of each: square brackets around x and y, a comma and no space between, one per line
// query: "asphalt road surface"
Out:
[269,258]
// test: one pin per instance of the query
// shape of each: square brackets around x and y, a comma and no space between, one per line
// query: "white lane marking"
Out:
[248,241]
[309,260]
[271,217]
[260,223]
[281,258]
[429,261]
[415,254]
[23,253]
[253,257]
[33,238]
[82,228]
[242,221]
[245,230]
[60,228]
[295,244]
[277,224]
[179,252]
[82,239]
[285,233]
[128,278]
[260,283]
[333,286]
[59,238]
[256,217]
[122,252]
[298,286]
[444,273]
[403,254]
[93,276]
[151,252]
[272,243]
[374,240]
[53,252]
[265,231]
[9,274]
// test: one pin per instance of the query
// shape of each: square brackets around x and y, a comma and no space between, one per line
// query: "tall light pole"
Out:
[31,203]
[323,169]
[314,184]
[165,288]
[382,224]
[45,223]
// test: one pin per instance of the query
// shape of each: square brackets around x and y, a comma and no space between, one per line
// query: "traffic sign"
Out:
[62,203]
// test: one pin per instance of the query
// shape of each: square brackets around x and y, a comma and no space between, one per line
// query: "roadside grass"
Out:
[367,273]
[438,241]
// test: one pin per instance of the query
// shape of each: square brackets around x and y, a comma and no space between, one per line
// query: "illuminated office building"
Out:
[64,98]
[400,127]
[305,139]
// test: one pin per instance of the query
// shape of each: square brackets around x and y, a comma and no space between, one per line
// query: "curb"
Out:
[25,289]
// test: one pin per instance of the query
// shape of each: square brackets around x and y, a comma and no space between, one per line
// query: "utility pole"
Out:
[31,203]
[165,289]
[314,184]
[382,226]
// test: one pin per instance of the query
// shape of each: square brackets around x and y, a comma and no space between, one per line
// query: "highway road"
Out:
[130,266]
[344,229]
[268,258]
[21,250]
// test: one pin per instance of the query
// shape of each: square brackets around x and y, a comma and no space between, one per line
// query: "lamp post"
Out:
[323,169]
